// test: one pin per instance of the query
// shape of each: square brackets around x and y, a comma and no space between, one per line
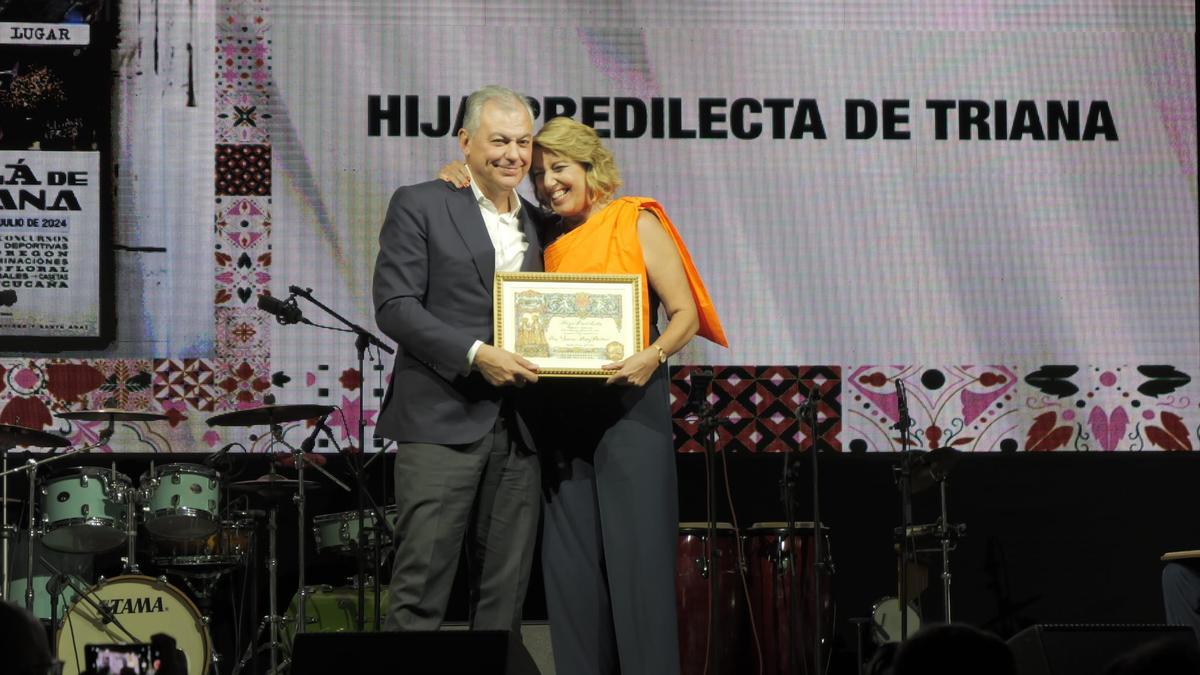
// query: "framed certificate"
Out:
[569,324]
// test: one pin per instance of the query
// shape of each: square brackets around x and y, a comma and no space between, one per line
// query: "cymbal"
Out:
[272,485]
[111,414]
[287,459]
[931,468]
[13,435]
[269,414]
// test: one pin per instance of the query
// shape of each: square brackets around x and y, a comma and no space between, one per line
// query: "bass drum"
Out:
[143,606]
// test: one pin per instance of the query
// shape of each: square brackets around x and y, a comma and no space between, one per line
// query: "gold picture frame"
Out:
[569,324]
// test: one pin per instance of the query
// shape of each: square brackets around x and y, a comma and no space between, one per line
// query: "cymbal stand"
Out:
[301,540]
[32,535]
[948,535]
[363,339]
[133,498]
[31,466]
[904,482]
[271,622]
[6,531]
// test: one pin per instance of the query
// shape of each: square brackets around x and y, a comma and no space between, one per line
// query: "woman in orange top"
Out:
[610,519]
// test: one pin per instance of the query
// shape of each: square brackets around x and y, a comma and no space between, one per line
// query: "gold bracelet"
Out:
[662,355]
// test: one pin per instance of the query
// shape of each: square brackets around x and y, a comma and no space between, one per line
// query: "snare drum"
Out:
[692,593]
[330,609]
[82,510]
[769,555]
[338,532]
[182,501]
[227,547]
[143,606]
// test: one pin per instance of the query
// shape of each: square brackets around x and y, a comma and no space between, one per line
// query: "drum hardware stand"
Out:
[904,482]
[806,411]
[271,621]
[363,339]
[133,498]
[379,526]
[31,466]
[860,623]
[944,528]
[106,615]
[946,533]
[301,460]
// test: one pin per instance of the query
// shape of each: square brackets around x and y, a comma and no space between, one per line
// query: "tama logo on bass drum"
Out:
[135,605]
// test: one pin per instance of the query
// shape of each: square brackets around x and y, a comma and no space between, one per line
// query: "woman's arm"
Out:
[664,269]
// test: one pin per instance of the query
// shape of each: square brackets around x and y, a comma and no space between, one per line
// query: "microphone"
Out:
[308,443]
[903,419]
[8,298]
[215,457]
[55,585]
[807,406]
[702,379]
[285,311]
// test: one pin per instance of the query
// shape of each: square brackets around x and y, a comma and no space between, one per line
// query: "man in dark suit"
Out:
[465,469]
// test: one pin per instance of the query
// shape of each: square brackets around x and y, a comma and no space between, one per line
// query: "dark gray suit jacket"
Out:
[433,295]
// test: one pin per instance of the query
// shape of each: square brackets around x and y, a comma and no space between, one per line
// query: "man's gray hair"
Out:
[502,96]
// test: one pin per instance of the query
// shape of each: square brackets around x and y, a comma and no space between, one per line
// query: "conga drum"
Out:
[692,577]
[769,556]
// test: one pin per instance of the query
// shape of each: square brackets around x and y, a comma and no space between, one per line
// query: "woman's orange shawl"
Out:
[607,243]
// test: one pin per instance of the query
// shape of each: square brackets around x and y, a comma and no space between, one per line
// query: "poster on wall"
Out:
[50,244]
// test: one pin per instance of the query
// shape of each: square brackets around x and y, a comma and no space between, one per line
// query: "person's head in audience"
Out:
[23,642]
[881,660]
[1165,656]
[953,649]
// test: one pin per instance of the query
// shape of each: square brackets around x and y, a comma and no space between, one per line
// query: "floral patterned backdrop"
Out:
[984,408]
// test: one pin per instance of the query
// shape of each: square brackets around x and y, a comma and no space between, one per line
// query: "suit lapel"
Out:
[533,255]
[464,212]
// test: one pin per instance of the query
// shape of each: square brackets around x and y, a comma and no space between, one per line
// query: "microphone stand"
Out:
[363,339]
[787,553]
[806,411]
[701,381]
[106,615]
[904,479]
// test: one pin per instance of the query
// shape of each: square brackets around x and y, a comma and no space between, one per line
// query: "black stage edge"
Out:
[1084,649]
[413,653]
[1051,538]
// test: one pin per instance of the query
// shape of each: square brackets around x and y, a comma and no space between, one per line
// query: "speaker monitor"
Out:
[1079,649]
[412,653]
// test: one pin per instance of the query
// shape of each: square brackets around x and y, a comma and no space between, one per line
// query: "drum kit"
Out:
[178,509]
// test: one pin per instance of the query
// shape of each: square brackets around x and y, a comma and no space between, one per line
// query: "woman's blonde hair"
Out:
[567,138]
